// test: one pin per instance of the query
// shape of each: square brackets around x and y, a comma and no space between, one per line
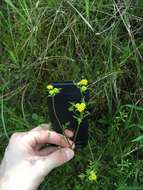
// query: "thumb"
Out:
[57,158]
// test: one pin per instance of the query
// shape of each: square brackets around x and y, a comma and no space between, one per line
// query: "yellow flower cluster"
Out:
[52,91]
[83,88]
[80,107]
[83,82]
[50,87]
[82,85]
[92,176]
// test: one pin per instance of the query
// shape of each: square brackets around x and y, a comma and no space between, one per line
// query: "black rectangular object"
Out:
[59,113]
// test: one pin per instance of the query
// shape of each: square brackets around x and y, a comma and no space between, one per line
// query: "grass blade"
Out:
[88,24]
[16,10]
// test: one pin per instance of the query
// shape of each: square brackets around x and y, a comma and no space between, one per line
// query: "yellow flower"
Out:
[56,90]
[50,87]
[52,92]
[83,82]
[83,88]
[92,176]
[80,106]
[77,105]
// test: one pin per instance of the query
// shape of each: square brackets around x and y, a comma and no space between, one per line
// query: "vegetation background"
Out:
[101,40]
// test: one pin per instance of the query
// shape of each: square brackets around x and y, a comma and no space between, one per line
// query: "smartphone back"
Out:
[60,115]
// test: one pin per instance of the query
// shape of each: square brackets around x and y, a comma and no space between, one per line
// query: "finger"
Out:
[47,151]
[42,126]
[68,133]
[34,138]
[57,158]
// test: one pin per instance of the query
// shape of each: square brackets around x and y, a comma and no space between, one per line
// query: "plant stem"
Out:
[76,132]
[53,104]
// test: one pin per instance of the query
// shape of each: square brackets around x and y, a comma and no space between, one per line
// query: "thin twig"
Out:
[104,77]
[53,104]
[56,113]
[77,130]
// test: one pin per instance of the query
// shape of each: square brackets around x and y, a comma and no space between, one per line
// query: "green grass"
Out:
[64,40]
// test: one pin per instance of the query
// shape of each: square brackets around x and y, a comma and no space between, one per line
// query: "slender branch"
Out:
[76,132]
[56,113]
[53,104]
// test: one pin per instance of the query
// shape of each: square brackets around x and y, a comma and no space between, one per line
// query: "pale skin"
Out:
[25,164]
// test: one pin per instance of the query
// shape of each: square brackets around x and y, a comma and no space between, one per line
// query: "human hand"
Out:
[25,165]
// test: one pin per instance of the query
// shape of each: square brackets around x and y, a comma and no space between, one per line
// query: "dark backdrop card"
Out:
[59,113]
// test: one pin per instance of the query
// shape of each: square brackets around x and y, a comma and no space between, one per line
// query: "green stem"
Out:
[56,113]
[78,126]
[76,132]
[53,104]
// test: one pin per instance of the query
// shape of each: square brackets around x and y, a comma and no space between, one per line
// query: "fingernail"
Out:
[69,153]
[73,146]
[69,133]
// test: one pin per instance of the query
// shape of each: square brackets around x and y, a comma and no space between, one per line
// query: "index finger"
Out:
[34,138]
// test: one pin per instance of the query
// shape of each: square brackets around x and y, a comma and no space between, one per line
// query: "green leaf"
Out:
[139,108]
[35,116]
[79,120]
[135,125]
[70,109]
[128,188]
[12,56]
[140,138]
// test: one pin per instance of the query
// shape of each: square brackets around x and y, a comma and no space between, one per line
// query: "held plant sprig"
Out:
[80,112]
[79,109]
[52,91]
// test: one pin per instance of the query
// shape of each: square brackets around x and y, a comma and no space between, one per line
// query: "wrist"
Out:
[16,178]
